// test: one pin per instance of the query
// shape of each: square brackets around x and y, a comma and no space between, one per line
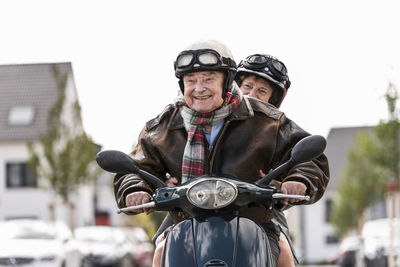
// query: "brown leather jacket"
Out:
[255,136]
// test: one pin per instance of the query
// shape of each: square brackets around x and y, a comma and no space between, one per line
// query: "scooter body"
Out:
[216,241]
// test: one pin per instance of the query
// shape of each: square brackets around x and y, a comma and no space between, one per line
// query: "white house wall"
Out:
[106,199]
[316,232]
[310,236]
[19,202]
[84,203]
[33,202]
[293,218]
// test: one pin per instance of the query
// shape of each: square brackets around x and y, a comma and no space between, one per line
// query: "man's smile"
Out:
[202,97]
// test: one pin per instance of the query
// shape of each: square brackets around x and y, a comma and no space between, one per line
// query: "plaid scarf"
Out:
[193,162]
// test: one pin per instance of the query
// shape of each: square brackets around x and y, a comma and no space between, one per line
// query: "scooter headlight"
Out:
[212,194]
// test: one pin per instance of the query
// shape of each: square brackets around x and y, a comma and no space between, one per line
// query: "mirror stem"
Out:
[275,173]
[151,178]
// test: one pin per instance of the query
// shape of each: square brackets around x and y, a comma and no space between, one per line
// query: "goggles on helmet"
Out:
[268,65]
[204,58]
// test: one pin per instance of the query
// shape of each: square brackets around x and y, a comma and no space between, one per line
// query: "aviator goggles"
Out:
[204,58]
[266,64]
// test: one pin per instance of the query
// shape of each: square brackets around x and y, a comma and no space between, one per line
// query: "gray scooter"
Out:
[214,235]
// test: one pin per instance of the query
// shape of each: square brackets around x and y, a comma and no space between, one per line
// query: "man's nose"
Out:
[199,86]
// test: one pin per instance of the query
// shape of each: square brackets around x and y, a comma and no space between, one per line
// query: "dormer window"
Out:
[21,115]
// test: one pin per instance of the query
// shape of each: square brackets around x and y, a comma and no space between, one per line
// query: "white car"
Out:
[143,249]
[379,235]
[29,242]
[104,246]
[349,250]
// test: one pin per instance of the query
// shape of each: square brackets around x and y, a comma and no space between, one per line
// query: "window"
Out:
[21,115]
[331,239]
[328,210]
[19,175]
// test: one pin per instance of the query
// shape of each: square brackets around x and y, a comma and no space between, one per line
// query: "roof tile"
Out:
[27,85]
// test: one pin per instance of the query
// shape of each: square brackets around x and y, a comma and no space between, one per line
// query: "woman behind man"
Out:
[265,77]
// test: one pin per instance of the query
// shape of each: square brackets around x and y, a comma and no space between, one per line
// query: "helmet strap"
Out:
[280,99]
[180,82]
[229,76]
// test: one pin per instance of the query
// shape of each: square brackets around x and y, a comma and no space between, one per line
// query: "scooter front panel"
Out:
[252,245]
[178,249]
[223,241]
[215,239]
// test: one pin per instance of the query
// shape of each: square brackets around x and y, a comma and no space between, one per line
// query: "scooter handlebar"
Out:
[152,203]
[298,197]
[138,207]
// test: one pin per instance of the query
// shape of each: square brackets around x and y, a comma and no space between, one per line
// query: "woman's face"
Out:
[203,90]
[257,87]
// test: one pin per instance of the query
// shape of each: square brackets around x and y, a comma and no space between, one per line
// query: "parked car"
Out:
[29,242]
[142,249]
[376,236]
[104,246]
[348,249]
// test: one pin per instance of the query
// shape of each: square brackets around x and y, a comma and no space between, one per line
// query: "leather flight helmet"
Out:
[268,68]
[205,56]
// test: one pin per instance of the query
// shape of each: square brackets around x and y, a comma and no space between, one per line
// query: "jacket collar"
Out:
[243,112]
[176,121]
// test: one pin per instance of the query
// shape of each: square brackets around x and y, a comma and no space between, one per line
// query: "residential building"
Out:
[27,91]
[313,234]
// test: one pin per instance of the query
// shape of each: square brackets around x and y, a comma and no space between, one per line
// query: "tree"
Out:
[388,135]
[372,164]
[149,222]
[65,155]
[362,185]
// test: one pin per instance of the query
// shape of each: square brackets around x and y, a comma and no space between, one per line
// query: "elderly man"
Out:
[214,129]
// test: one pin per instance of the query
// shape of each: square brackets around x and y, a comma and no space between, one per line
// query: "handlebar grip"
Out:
[299,197]
[138,207]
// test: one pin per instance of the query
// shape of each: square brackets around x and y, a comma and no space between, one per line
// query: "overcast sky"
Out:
[340,54]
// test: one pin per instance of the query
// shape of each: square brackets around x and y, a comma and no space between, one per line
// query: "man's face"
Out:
[257,87]
[203,90]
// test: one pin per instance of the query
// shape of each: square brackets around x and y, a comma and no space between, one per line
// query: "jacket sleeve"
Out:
[314,174]
[146,157]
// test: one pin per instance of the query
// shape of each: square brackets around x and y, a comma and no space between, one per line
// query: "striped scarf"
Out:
[193,162]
